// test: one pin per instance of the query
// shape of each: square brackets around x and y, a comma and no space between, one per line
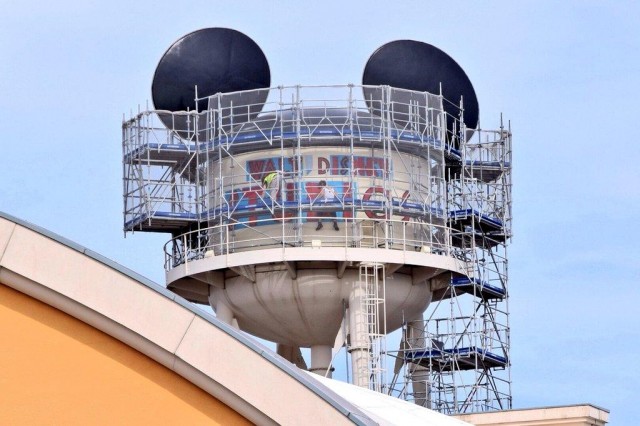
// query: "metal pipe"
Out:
[358,347]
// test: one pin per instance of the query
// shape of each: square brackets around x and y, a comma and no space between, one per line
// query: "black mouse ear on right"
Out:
[420,67]
[215,60]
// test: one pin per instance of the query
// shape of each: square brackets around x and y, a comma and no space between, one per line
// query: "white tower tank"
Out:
[295,210]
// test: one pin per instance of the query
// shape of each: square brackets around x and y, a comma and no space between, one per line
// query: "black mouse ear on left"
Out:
[215,60]
[420,67]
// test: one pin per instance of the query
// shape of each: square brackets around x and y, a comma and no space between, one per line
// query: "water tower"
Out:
[316,217]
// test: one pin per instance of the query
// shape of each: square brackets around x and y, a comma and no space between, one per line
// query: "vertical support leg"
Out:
[292,354]
[222,310]
[321,360]
[419,374]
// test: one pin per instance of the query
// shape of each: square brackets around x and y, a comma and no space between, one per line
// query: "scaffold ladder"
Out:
[371,282]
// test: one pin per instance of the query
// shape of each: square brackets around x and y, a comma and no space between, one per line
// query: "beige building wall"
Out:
[571,415]
[58,369]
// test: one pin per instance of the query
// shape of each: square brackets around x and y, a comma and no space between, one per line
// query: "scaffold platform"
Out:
[472,286]
[467,358]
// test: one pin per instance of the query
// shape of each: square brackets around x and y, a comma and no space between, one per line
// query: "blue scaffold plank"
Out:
[415,207]
[337,131]
[171,147]
[132,223]
[159,220]
[176,215]
[246,206]
[464,358]
[482,219]
[475,286]
[487,164]
[160,151]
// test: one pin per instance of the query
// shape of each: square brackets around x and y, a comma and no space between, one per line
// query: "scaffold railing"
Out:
[284,232]
[460,360]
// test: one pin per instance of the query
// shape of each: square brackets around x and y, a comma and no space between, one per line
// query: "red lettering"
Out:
[344,165]
[323,165]
[367,196]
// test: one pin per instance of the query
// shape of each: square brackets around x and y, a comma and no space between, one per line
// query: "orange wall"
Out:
[55,369]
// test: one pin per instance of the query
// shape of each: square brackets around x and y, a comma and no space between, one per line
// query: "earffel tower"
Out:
[412,196]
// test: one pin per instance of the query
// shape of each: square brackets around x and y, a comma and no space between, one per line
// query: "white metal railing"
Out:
[309,110]
[292,232]
[155,142]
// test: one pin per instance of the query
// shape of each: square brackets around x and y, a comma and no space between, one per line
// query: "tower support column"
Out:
[321,360]
[419,374]
[223,312]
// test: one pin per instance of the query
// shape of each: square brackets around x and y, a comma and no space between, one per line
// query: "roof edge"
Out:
[342,405]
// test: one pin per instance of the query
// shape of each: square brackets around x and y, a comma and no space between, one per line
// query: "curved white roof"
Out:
[387,410]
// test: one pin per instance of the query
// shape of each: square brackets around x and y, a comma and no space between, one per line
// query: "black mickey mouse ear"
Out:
[216,60]
[421,67]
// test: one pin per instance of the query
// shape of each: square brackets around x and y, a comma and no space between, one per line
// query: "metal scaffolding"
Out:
[182,168]
[407,176]
[460,352]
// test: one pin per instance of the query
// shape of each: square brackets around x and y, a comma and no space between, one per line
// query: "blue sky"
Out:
[564,73]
